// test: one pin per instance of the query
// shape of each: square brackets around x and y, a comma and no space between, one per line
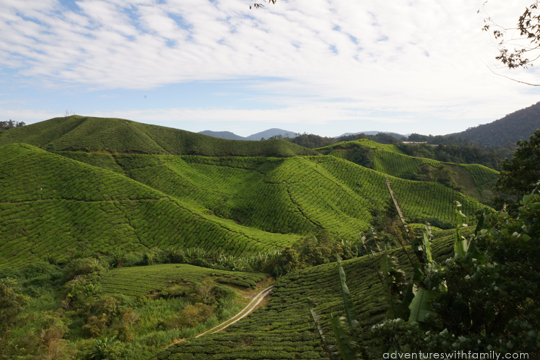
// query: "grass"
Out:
[284,329]
[141,280]
[124,136]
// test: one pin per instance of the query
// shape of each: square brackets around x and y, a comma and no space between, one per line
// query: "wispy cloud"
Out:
[421,57]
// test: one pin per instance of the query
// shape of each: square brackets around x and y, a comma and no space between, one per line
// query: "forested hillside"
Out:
[500,135]
[519,125]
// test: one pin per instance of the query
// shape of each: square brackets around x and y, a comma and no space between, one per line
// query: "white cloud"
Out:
[420,57]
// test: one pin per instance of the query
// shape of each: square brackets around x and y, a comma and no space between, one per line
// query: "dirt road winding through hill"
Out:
[242,314]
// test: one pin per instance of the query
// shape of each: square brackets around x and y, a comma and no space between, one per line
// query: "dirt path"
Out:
[242,314]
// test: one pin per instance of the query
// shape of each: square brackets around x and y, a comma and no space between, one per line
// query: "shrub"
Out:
[190,316]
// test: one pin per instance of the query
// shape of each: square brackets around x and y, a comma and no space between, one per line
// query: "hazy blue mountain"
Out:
[271,132]
[396,135]
[222,135]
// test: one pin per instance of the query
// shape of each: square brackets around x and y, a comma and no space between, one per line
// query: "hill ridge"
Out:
[78,133]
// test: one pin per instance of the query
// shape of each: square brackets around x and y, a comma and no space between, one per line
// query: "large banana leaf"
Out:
[461,246]
[350,312]
[341,339]
[427,248]
[421,305]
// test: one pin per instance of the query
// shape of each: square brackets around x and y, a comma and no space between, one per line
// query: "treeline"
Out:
[465,154]
[10,124]
[381,138]
[313,141]
[504,151]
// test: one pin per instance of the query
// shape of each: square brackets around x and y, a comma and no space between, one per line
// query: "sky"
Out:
[320,66]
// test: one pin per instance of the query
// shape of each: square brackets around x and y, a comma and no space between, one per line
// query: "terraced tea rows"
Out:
[238,205]
[125,136]
[296,195]
[356,143]
[49,204]
[481,175]
[473,180]
[141,280]
[400,165]
[284,329]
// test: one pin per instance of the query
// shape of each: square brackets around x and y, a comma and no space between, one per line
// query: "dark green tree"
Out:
[521,175]
[11,305]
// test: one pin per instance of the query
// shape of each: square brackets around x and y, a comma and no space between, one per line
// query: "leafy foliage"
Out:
[485,298]
[521,175]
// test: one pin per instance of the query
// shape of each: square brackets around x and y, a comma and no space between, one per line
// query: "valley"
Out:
[121,240]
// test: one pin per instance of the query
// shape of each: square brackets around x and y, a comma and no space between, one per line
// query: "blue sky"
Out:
[324,66]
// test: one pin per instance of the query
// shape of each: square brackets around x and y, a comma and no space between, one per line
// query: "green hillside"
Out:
[125,136]
[470,179]
[142,280]
[351,145]
[294,195]
[51,203]
[284,329]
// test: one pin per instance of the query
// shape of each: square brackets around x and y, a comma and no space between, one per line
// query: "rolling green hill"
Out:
[351,145]
[294,195]
[125,136]
[141,280]
[470,179]
[50,203]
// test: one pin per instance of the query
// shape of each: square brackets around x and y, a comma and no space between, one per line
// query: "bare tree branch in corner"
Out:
[526,46]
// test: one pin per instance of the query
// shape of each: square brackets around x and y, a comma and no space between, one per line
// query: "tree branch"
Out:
[509,78]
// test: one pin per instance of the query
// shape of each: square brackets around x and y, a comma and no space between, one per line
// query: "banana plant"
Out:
[395,286]
[347,329]
[461,245]
[317,320]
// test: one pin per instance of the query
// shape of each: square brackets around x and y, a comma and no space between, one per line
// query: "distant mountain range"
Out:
[258,136]
[222,135]
[396,135]
[285,133]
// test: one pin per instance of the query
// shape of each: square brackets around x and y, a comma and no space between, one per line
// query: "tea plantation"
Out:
[471,179]
[142,280]
[295,195]
[285,329]
[127,240]
[125,136]
[49,202]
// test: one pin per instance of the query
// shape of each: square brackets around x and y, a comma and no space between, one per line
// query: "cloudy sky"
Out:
[318,66]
